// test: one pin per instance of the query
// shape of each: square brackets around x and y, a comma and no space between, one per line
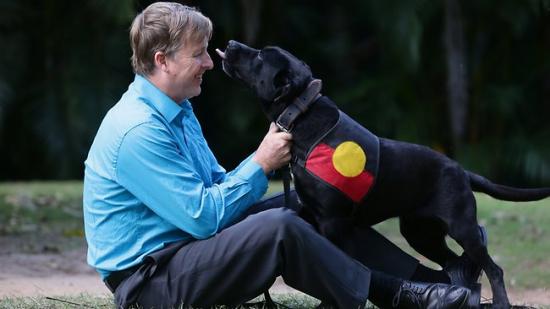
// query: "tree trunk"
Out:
[251,10]
[457,84]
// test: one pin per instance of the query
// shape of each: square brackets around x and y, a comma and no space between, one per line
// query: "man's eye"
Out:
[199,54]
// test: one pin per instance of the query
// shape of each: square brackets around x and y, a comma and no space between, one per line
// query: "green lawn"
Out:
[89,301]
[37,206]
[519,234]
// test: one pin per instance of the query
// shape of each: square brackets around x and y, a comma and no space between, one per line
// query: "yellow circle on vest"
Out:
[349,159]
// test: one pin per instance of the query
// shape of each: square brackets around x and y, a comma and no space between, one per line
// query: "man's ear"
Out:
[160,61]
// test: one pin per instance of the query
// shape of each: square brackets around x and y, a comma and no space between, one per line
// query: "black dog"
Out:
[346,176]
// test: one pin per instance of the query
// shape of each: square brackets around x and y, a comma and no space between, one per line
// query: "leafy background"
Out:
[468,78]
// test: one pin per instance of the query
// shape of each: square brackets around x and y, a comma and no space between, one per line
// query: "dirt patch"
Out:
[47,274]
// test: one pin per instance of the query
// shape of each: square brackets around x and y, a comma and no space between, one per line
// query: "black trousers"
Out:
[243,260]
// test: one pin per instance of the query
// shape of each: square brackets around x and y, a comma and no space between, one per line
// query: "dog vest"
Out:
[346,158]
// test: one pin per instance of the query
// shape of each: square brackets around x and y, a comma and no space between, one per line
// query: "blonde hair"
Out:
[165,27]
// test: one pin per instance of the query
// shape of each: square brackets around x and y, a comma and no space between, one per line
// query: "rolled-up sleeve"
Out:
[153,168]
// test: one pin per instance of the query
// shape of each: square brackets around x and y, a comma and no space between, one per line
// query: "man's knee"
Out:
[282,221]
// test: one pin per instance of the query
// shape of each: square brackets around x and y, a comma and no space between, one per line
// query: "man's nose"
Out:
[208,64]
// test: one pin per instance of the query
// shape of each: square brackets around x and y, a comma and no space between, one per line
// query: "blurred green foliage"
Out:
[63,64]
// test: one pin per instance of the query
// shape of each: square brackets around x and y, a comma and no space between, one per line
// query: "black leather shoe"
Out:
[463,271]
[416,295]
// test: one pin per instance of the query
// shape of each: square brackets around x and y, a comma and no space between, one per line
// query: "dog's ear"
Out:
[282,83]
[291,81]
[283,92]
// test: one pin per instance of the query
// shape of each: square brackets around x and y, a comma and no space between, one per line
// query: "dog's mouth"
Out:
[235,59]
[227,68]
[227,56]
[220,53]
[223,56]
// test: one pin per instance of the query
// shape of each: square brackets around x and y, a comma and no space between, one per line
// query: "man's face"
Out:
[186,68]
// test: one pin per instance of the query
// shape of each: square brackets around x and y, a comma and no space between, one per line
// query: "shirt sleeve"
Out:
[151,166]
[218,172]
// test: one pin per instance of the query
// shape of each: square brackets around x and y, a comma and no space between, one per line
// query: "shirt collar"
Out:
[167,107]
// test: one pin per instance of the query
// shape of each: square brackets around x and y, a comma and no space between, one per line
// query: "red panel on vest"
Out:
[320,164]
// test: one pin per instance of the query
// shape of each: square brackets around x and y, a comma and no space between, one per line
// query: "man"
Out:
[165,223]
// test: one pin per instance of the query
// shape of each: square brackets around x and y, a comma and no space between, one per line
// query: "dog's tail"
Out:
[482,184]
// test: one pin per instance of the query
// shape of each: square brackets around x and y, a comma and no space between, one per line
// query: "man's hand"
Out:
[274,150]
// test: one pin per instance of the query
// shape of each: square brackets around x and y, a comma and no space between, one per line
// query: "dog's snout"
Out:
[232,43]
[236,44]
[238,47]
[233,46]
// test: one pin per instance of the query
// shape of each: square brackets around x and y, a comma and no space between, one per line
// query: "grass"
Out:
[32,212]
[91,301]
[69,302]
[519,236]
[38,206]
[294,301]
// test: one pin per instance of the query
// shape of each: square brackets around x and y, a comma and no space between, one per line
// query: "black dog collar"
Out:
[300,104]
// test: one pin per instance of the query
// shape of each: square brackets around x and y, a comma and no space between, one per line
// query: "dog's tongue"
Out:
[220,53]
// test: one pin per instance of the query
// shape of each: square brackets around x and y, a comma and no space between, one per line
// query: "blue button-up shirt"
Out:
[151,179]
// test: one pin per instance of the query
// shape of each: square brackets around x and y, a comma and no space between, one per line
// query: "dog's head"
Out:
[275,75]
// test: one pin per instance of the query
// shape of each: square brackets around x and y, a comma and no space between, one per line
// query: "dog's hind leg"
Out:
[455,204]
[464,229]
[477,252]
[427,237]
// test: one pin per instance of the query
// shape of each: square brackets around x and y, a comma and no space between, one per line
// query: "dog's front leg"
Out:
[337,230]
